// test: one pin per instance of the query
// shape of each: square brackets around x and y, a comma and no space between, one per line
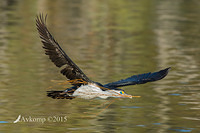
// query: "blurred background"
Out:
[109,40]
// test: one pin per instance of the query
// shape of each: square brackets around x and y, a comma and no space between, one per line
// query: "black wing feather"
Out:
[55,52]
[139,79]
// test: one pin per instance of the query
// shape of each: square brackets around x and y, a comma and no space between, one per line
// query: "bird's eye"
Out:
[121,92]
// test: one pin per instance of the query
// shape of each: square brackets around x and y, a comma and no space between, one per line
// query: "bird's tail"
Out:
[59,95]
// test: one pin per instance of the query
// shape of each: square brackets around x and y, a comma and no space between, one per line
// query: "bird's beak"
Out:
[130,96]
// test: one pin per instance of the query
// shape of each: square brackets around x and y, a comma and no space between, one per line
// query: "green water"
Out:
[109,40]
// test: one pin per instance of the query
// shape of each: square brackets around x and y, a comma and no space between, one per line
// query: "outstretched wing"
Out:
[139,79]
[56,54]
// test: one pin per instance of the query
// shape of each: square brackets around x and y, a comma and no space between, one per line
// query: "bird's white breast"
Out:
[89,91]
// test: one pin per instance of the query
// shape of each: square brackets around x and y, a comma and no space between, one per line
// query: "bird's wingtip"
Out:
[168,69]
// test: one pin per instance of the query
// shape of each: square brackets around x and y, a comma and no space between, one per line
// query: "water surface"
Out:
[109,40]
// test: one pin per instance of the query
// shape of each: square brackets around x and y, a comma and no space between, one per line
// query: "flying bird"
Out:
[82,86]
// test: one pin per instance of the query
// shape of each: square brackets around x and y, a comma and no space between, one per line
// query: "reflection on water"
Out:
[174,45]
[109,40]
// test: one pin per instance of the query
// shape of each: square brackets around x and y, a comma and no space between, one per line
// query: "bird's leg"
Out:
[53,86]
[74,81]
[57,81]
[61,82]
[50,87]
[77,81]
